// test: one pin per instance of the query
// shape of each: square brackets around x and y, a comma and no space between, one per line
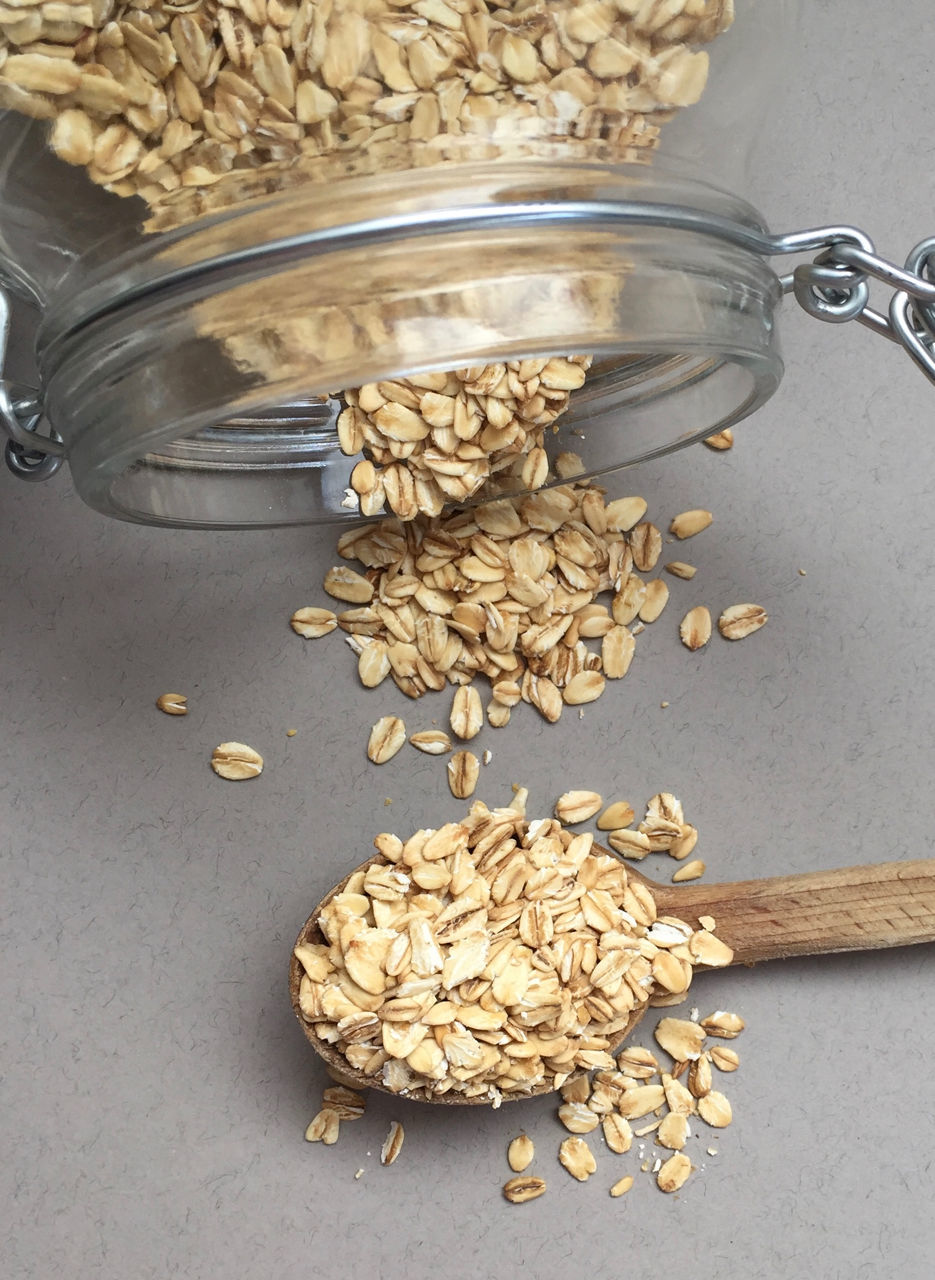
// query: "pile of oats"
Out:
[508,590]
[492,956]
[196,104]
[438,438]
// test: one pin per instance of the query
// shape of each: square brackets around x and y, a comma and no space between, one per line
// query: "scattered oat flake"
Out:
[740,620]
[173,704]
[236,761]
[724,1059]
[433,742]
[695,628]
[693,870]
[721,440]
[386,739]
[520,1190]
[679,569]
[312,623]
[463,772]
[683,1040]
[723,1024]
[393,1143]
[324,1128]
[290,733]
[688,523]
[359,1174]
[520,1153]
[674,1173]
[715,1109]
[616,815]
[577,806]
[617,1133]
[623,1186]
[647,1128]
[577,1157]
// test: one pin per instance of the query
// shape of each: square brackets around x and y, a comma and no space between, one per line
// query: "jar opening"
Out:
[156,373]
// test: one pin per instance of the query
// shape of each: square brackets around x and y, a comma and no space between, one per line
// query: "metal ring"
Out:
[834,305]
[922,261]
[902,317]
[27,464]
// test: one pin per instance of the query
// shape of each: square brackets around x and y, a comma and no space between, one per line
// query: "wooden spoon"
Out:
[853,909]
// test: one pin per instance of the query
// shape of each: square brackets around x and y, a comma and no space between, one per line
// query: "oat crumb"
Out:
[359,1174]
[290,733]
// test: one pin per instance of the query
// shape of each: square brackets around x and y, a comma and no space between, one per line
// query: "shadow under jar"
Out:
[246,226]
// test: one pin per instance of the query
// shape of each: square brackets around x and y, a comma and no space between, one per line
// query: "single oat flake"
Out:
[463,772]
[741,620]
[688,523]
[715,1109]
[673,1173]
[724,1025]
[236,761]
[520,1153]
[695,628]
[577,1157]
[386,738]
[173,704]
[693,870]
[312,623]
[721,440]
[520,1190]
[392,1143]
[577,806]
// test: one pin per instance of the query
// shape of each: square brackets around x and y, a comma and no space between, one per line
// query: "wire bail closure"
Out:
[29,454]
[833,287]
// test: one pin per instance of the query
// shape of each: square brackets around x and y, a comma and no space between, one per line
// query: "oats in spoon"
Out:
[491,957]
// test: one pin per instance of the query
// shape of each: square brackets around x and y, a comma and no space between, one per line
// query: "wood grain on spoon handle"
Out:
[851,909]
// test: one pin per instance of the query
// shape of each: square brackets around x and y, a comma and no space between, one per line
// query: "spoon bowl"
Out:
[852,909]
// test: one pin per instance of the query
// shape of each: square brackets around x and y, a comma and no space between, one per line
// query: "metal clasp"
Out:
[835,287]
[29,454]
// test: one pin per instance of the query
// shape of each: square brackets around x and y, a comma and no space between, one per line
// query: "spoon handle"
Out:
[852,909]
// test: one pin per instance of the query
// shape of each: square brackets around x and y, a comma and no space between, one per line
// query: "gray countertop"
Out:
[155,1086]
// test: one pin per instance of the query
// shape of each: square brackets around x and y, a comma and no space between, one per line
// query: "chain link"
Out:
[835,287]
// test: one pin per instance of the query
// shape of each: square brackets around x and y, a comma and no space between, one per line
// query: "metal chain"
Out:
[834,287]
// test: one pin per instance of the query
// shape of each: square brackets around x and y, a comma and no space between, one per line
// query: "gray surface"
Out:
[155,1087]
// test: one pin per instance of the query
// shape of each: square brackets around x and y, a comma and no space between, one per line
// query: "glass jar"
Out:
[244,227]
